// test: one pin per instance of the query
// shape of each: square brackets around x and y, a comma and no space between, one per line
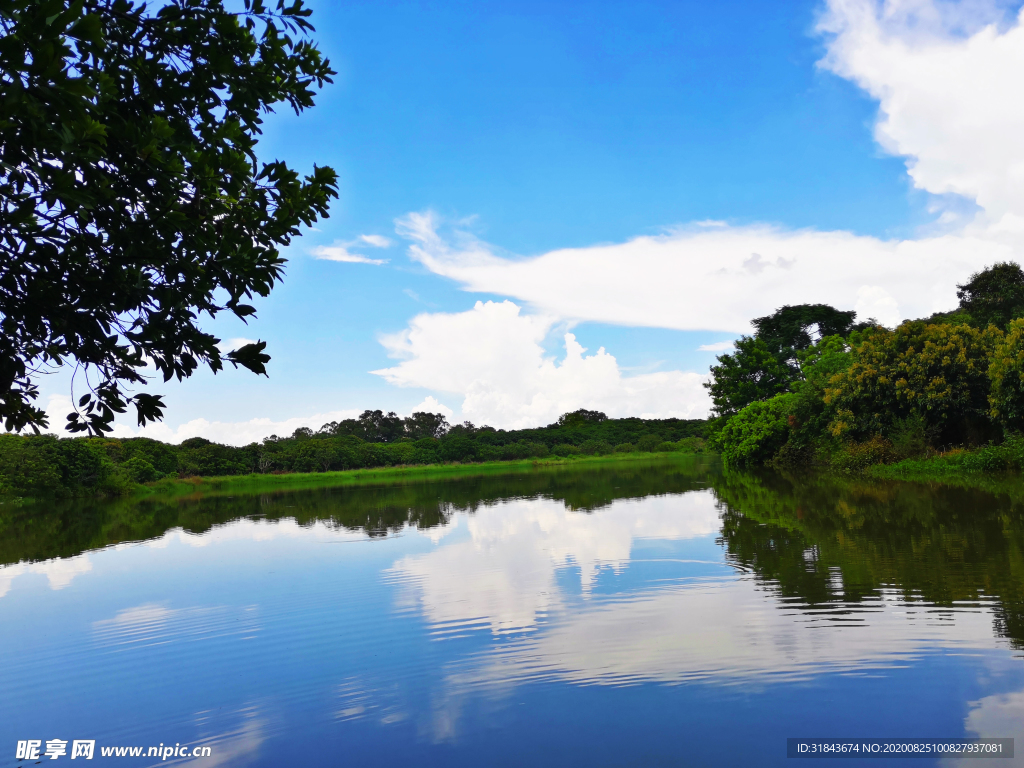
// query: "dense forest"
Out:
[46,465]
[811,387]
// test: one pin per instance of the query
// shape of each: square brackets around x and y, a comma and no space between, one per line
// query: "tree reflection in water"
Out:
[820,543]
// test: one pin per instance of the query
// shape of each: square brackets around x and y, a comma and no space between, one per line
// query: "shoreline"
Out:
[258,483]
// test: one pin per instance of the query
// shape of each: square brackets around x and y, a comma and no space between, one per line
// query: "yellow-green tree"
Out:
[1006,372]
[937,372]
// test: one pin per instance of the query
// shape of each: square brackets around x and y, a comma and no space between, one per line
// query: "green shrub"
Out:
[117,483]
[139,470]
[625,448]
[853,457]
[910,436]
[691,445]
[596,447]
[990,458]
[649,443]
[565,449]
[523,449]
[755,434]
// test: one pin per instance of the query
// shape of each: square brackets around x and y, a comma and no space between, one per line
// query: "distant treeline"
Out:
[46,465]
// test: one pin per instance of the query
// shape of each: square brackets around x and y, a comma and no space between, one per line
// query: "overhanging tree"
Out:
[133,202]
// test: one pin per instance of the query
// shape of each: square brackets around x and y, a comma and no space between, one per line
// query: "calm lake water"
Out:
[647,614]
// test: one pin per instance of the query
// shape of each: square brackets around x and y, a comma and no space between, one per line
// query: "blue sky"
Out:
[527,128]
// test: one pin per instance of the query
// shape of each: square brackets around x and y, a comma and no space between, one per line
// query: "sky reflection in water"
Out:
[655,614]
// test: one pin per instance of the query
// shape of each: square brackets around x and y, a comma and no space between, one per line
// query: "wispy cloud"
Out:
[342,251]
[718,346]
[375,241]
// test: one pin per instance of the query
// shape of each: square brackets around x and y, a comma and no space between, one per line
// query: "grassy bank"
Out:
[995,468]
[255,483]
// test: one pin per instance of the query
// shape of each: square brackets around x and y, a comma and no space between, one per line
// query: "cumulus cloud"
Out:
[493,356]
[431,405]
[950,95]
[993,717]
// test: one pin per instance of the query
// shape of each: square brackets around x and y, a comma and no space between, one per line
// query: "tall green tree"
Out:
[767,364]
[994,296]
[581,418]
[753,372]
[795,328]
[132,201]
[1006,373]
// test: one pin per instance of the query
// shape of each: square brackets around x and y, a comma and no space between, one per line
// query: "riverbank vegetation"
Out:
[44,465]
[933,397]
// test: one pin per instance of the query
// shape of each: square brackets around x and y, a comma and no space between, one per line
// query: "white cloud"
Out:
[155,624]
[511,573]
[875,302]
[718,346]
[341,253]
[375,241]
[492,355]
[946,76]
[233,432]
[431,405]
[950,94]
[229,432]
[698,278]
[718,630]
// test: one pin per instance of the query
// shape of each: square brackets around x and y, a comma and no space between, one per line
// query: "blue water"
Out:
[673,626]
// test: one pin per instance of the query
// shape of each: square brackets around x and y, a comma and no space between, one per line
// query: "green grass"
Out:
[230,484]
[964,469]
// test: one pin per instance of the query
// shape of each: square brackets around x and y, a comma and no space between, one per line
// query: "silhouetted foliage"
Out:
[133,203]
